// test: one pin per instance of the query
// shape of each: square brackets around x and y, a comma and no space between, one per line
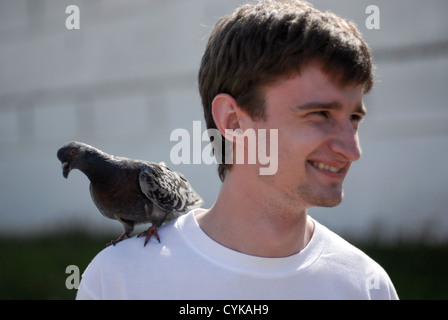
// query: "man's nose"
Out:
[346,142]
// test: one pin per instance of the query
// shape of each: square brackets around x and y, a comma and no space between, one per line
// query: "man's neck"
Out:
[249,221]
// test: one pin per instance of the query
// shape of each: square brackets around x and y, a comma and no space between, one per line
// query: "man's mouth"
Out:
[327,167]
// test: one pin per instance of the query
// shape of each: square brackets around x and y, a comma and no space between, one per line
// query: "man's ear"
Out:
[227,114]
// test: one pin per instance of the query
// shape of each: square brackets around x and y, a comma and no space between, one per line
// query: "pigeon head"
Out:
[71,156]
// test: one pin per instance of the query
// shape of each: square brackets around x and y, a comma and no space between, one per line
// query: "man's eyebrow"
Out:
[315,105]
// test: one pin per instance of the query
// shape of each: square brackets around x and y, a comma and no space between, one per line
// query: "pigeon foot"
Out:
[124,236]
[152,230]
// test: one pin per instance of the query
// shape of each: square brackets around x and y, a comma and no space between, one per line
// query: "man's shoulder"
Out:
[350,263]
[130,262]
[134,250]
[344,252]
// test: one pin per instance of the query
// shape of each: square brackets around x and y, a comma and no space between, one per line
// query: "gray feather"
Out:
[130,191]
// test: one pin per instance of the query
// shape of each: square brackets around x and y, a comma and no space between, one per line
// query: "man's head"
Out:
[261,43]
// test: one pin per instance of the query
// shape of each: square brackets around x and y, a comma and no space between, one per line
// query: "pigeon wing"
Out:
[169,190]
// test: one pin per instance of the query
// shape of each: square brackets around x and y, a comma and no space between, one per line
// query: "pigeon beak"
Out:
[65,169]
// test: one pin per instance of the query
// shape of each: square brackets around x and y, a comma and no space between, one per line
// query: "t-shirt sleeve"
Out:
[90,287]
[380,286]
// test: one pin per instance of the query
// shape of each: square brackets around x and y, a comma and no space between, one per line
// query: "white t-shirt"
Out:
[187,264]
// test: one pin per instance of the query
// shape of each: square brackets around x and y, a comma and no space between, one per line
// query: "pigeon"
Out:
[130,191]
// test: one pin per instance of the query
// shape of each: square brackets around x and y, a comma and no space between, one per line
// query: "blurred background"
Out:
[126,79]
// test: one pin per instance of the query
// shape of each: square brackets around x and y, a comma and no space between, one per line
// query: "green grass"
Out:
[34,267]
[419,272]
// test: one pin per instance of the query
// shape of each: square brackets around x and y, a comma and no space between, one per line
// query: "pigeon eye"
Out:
[72,153]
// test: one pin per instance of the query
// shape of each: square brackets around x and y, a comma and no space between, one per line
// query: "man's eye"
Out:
[356,117]
[321,113]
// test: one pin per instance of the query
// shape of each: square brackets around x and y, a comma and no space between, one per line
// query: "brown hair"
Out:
[259,43]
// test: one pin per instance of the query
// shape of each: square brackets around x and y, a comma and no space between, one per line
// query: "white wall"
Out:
[127,78]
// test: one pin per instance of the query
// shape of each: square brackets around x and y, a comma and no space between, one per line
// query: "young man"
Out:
[279,66]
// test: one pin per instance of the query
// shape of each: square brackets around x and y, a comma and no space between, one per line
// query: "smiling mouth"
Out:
[326,167]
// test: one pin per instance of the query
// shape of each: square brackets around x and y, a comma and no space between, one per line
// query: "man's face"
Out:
[317,123]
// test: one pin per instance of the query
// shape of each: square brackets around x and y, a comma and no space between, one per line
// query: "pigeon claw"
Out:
[124,236]
[152,231]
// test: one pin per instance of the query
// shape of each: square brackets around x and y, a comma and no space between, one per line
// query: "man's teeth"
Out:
[321,165]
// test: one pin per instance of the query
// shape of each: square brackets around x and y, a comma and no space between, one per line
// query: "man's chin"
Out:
[329,204]
[327,201]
